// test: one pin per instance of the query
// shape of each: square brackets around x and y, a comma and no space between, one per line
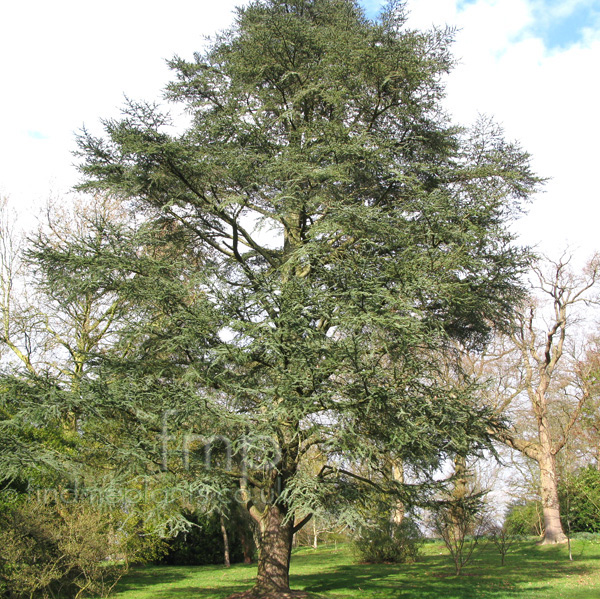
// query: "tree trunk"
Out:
[398,476]
[315,533]
[226,558]
[247,546]
[458,513]
[553,530]
[274,552]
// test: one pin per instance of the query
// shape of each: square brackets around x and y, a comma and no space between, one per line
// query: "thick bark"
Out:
[274,551]
[275,534]
[553,530]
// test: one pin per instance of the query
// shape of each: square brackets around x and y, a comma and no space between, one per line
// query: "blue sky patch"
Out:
[36,135]
[372,7]
[563,30]
[558,23]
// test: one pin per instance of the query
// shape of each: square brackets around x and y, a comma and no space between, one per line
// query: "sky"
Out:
[531,64]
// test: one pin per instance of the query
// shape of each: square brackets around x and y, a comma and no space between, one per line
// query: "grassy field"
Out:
[531,571]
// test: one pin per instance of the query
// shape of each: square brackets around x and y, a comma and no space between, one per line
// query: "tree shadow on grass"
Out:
[529,569]
[202,593]
[170,581]
[433,577]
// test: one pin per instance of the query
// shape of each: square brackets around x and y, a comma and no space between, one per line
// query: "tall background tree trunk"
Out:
[247,545]
[553,530]
[459,494]
[226,557]
[398,476]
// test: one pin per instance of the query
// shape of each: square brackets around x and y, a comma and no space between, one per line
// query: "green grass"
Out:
[531,571]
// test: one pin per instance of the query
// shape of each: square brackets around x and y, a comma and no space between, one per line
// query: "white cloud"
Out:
[544,97]
[67,62]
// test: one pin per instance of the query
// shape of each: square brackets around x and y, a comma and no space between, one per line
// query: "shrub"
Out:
[580,501]
[587,536]
[384,541]
[524,518]
[55,550]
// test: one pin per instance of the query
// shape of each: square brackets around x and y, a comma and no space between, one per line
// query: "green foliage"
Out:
[580,501]
[524,518]
[50,550]
[385,541]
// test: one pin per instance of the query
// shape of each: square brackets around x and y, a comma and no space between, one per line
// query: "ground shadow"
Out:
[172,580]
[433,577]
[529,569]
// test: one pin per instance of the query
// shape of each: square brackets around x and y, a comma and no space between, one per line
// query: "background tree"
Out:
[585,443]
[50,323]
[318,221]
[539,377]
[502,538]
[524,517]
[580,500]
[53,327]
[79,317]
[17,338]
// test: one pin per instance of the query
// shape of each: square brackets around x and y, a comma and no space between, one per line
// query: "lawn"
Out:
[531,571]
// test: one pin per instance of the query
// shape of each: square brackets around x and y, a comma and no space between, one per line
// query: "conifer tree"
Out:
[311,240]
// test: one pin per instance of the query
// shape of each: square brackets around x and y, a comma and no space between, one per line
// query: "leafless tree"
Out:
[18,326]
[538,378]
[45,326]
